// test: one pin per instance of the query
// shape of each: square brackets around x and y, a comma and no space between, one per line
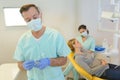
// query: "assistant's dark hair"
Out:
[26,7]
[83,27]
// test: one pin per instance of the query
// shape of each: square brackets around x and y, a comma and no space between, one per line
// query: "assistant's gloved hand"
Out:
[42,63]
[27,65]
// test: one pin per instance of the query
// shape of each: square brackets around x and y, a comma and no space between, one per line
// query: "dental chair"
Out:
[10,71]
[80,70]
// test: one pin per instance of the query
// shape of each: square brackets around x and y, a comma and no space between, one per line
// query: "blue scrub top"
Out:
[88,44]
[50,45]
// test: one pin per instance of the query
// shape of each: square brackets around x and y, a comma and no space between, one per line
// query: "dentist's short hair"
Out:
[26,7]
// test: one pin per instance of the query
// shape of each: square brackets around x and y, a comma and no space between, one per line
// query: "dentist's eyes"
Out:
[28,20]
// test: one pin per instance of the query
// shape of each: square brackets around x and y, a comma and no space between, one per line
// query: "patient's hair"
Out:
[71,42]
[27,7]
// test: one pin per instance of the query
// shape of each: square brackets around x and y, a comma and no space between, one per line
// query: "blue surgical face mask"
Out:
[84,34]
[35,24]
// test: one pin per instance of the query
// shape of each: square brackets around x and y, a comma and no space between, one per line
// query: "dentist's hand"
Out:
[28,65]
[42,63]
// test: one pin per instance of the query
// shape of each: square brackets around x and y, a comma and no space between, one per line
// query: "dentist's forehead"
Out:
[31,12]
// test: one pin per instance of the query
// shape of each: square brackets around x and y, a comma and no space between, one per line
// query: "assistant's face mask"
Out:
[84,34]
[35,24]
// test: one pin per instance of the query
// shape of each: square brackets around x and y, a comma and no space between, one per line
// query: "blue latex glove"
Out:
[27,65]
[42,63]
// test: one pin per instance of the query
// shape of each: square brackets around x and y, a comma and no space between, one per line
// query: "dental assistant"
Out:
[85,39]
[41,51]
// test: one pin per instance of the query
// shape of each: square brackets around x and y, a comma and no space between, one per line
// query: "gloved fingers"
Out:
[42,63]
[37,63]
[45,61]
[27,65]
[29,62]
[32,64]
[41,68]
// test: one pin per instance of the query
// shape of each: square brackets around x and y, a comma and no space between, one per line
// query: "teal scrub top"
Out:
[50,45]
[88,44]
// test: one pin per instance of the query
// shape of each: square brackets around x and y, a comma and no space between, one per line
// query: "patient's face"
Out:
[77,44]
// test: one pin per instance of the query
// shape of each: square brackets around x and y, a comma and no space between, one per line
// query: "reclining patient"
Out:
[94,64]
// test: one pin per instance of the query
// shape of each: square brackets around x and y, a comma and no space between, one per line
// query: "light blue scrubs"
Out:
[89,44]
[50,45]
